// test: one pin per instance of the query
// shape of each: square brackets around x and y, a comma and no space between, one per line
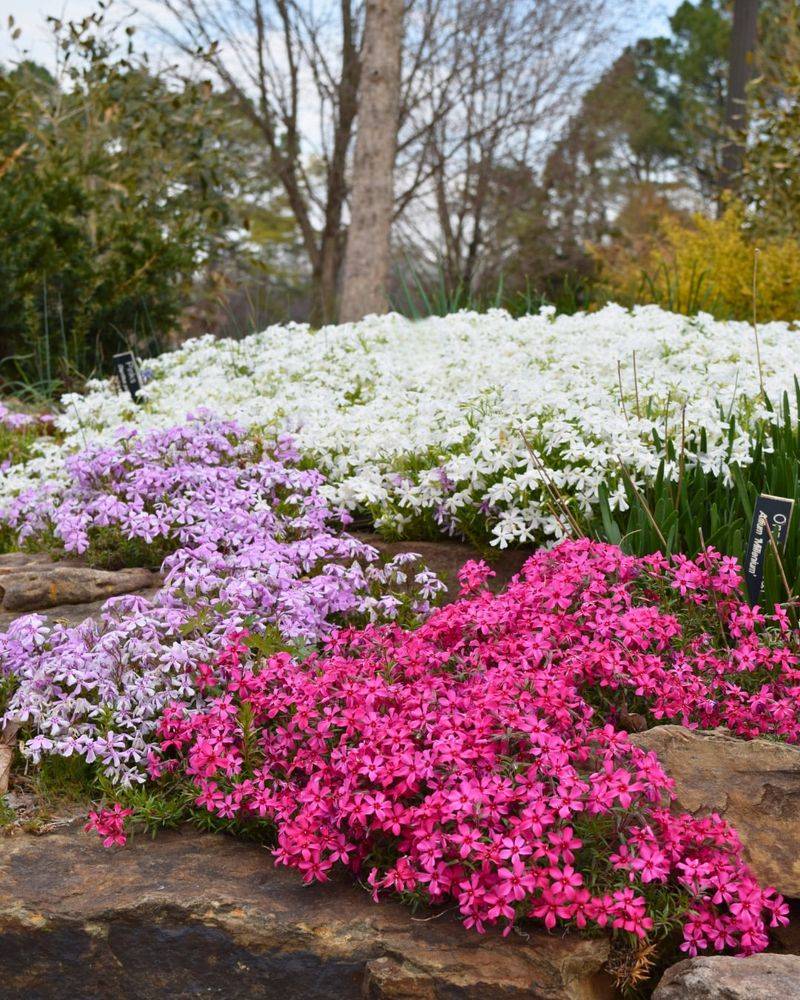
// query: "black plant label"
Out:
[771,515]
[128,374]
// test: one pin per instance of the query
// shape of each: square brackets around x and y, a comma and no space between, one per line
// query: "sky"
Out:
[31,17]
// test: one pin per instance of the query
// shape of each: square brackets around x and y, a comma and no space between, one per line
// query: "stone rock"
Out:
[47,586]
[69,614]
[6,754]
[754,784]
[445,558]
[11,561]
[192,914]
[759,977]
[7,733]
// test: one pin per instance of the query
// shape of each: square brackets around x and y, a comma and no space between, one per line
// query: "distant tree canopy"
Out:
[648,141]
[771,183]
[136,202]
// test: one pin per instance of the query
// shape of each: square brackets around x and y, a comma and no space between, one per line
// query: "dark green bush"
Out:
[110,186]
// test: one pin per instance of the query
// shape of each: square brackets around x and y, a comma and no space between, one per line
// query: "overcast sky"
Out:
[31,17]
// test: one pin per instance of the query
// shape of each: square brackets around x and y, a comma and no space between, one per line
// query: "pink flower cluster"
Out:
[464,761]
[15,421]
[110,825]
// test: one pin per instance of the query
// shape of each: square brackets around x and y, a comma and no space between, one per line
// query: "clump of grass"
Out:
[7,815]
[59,781]
[110,549]
[18,444]
[702,508]
[423,295]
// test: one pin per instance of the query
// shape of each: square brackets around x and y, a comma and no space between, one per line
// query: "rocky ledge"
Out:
[446,558]
[199,915]
[66,590]
[69,591]
[754,784]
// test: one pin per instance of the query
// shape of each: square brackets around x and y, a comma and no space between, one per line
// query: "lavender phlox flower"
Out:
[255,544]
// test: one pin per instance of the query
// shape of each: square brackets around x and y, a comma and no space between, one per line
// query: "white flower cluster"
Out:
[422,423]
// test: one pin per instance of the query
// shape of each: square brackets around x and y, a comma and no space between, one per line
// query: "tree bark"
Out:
[323,281]
[365,286]
[740,69]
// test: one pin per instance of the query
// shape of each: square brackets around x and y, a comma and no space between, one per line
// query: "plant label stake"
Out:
[128,374]
[775,512]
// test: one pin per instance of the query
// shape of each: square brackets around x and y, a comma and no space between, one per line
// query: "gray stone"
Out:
[49,586]
[70,614]
[6,755]
[759,977]
[12,561]
[754,784]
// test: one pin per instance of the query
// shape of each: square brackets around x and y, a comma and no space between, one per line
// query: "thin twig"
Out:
[681,458]
[733,397]
[642,501]
[80,425]
[714,594]
[557,507]
[636,387]
[756,252]
[621,396]
[781,569]
[434,916]
[553,491]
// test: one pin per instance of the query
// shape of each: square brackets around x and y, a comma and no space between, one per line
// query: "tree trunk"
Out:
[323,282]
[365,287]
[740,69]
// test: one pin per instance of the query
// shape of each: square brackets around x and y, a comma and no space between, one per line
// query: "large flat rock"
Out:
[70,614]
[33,588]
[199,915]
[754,784]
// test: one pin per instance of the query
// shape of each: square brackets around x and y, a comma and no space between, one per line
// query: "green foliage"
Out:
[7,686]
[664,286]
[653,128]
[16,444]
[688,72]
[109,548]
[110,179]
[771,183]
[64,779]
[703,264]
[7,814]
[701,508]
[420,296]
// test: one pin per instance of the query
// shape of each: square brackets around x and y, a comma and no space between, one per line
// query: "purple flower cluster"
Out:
[254,547]
[18,431]
[14,421]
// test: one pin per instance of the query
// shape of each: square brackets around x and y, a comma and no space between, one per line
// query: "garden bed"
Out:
[295,684]
[419,426]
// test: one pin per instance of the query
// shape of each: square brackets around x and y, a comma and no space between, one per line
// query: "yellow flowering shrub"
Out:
[698,264]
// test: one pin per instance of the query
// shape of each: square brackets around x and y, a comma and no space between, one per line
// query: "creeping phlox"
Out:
[419,422]
[251,545]
[14,421]
[463,762]
[110,825]
[19,433]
